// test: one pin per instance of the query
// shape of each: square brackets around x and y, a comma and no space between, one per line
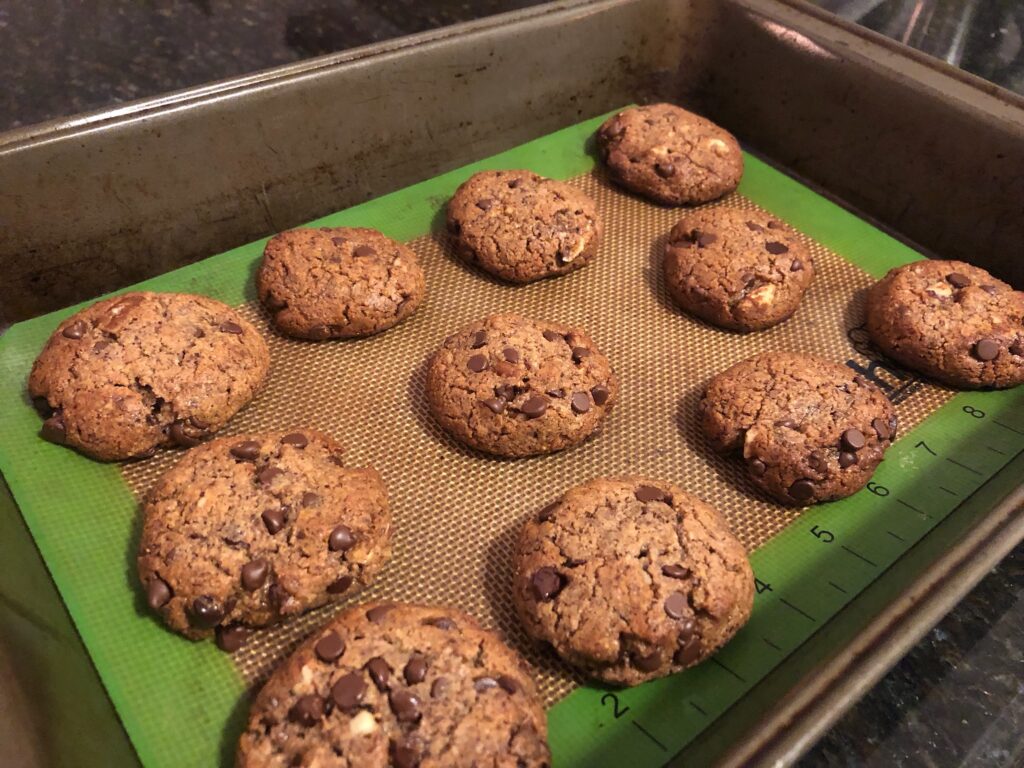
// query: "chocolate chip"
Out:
[341,539]
[484,683]
[648,663]
[553,336]
[558,393]
[415,670]
[580,402]
[787,423]
[1017,348]
[535,407]
[646,493]
[508,684]
[197,423]
[347,694]
[852,439]
[406,705]
[677,606]
[958,280]
[320,332]
[329,647]
[477,363]
[273,520]
[990,289]
[546,583]
[881,429]
[340,586]
[675,571]
[157,593]
[380,672]
[547,513]
[774,225]
[205,612]
[514,183]
[600,393]
[485,204]
[802,490]
[775,247]
[578,353]
[704,239]
[665,170]
[847,459]
[479,339]
[405,755]
[267,475]
[230,639]
[510,354]
[689,649]
[439,688]
[307,711]
[310,499]
[986,349]
[230,327]
[247,450]
[254,574]
[74,331]
[506,391]
[817,462]
[796,266]
[754,227]
[179,434]
[54,429]
[495,404]
[295,439]
[338,241]
[441,622]
[277,596]
[758,468]
[378,612]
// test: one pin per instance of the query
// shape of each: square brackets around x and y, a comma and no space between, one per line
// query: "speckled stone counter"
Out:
[956,700]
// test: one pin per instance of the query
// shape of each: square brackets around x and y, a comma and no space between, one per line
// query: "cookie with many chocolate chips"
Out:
[393,684]
[140,371]
[809,430]
[736,269]
[669,155]
[630,579]
[512,386]
[951,321]
[250,529]
[341,282]
[522,227]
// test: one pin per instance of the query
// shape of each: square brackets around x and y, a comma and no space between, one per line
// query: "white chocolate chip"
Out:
[718,146]
[748,438]
[307,674]
[362,724]
[940,290]
[764,295]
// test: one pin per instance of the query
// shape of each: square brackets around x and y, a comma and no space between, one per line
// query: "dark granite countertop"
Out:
[957,699]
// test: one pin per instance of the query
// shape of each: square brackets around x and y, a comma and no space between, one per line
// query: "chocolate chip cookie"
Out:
[669,155]
[145,370]
[951,321]
[391,684]
[736,269]
[250,529]
[631,579]
[341,282]
[512,386]
[809,430]
[522,227]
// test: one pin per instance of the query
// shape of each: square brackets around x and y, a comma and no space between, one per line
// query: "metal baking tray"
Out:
[935,156]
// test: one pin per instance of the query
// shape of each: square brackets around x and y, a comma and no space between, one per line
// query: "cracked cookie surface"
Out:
[523,227]
[338,282]
[512,386]
[951,321]
[631,579]
[250,529]
[736,269]
[392,684]
[145,370]
[809,430]
[669,155]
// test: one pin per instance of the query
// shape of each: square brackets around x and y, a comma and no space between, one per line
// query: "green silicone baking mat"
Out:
[457,512]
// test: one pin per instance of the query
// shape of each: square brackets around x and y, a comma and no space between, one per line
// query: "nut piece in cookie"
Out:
[808,430]
[669,155]
[736,269]
[951,321]
[141,371]
[511,386]
[247,530]
[393,684]
[522,227]
[630,579]
[340,282]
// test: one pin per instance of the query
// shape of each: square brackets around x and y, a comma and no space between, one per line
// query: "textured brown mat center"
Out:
[458,513]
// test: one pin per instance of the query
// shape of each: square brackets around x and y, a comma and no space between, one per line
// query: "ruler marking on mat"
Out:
[797,573]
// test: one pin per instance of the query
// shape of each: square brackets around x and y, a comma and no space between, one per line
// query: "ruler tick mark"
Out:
[698,708]
[650,736]
[770,644]
[859,556]
[995,450]
[944,488]
[734,674]
[837,587]
[912,507]
[896,536]
[802,612]
[1007,426]
[964,466]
